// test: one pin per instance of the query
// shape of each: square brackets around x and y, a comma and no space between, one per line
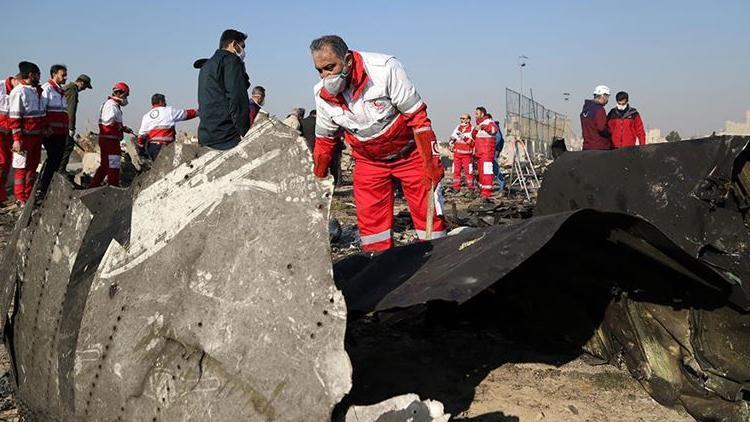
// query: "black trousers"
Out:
[67,150]
[153,150]
[55,147]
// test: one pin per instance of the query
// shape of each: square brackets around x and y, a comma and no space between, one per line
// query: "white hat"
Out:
[601,90]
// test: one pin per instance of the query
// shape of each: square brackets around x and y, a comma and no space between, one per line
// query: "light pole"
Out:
[521,64]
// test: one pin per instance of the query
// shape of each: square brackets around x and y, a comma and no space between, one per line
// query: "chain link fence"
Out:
[530,121]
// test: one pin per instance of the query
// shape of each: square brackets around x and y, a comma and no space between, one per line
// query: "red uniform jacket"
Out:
[625,126]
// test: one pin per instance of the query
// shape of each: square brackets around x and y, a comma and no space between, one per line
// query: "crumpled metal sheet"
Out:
[459,267]
[683,188]
[185,297]
[652,277]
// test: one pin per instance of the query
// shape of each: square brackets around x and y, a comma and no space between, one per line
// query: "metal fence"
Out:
[530,121]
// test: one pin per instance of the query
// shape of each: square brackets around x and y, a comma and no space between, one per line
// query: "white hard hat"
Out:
[601,90]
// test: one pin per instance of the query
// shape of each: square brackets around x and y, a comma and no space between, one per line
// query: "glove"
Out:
[321,164]
[72,133]
[432,168]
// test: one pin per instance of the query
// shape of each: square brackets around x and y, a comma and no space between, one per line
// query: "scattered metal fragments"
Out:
[653,279]
[181,298]
[405,408]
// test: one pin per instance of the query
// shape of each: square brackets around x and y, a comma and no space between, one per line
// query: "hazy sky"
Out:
[686,64]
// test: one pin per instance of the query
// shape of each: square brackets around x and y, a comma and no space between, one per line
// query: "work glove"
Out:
[321,163]
[432,168]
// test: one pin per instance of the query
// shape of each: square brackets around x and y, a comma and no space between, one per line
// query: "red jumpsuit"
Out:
[463,156]
[381,114]
[6,156]
[484,137]
[27,121]
[110,135]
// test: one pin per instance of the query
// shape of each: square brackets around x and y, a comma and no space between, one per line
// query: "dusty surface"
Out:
[479,376]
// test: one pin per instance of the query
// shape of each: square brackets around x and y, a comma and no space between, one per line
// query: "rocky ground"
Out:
[478,374]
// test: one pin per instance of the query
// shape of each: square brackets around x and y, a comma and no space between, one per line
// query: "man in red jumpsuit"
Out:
[625,123]
[6,156]
[385,121]
[111,130]
[462,146]
[27,120]
[484,147]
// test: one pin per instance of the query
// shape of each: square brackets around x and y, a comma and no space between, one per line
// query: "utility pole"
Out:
[521,64]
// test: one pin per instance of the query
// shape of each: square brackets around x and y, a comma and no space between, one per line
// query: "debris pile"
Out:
[204,291]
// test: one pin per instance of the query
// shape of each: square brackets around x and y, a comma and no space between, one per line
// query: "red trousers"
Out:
[485,151]
[373,198]
[6,158]
[23,181]
[463,163]
[110,164]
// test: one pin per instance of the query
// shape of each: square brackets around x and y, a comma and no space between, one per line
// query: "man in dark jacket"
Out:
[594,121]
[71,90]
[625,123]
[222,94]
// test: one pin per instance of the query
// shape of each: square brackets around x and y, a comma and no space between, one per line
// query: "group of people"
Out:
[480,144]
[364,99]
[620,128]
[32,115]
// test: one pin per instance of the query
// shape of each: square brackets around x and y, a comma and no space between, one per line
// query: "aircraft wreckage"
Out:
[205,290]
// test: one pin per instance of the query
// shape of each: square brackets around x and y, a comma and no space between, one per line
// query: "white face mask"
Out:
[335,84]
[622,107]
[241,53]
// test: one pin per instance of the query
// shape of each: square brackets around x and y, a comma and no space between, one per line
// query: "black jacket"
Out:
[307,126]
[223,101]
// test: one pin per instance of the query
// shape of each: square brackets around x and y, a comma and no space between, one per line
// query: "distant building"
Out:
[653,136]
[737,128]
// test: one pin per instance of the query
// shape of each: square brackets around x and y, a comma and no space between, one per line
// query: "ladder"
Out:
[522,171]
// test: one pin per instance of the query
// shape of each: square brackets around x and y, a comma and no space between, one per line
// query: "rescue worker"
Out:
[111,131]
[385,122]
[499,144]
[6,140]
[158,125]
[594,121]
[462,145]
[28,123]
[72,89]
[484,147]
[56,107]
[625,123]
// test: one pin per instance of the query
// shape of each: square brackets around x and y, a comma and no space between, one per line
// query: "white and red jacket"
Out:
[379,110]
[158,125]
[110,121]
[485,129]
[461,139]
[53,100]
[26,115]
[5,89]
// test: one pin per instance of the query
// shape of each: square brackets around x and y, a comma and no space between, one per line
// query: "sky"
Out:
[686,64]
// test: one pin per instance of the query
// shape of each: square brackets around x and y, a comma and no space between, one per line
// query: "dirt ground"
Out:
[479,376]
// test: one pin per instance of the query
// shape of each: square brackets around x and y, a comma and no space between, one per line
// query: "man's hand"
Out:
[432,168]
[16,147]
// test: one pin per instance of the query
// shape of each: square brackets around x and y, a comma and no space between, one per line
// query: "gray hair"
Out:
[299,111]
[259,90]
[334,42]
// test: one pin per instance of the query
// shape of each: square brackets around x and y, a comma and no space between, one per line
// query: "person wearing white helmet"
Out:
[594,127]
